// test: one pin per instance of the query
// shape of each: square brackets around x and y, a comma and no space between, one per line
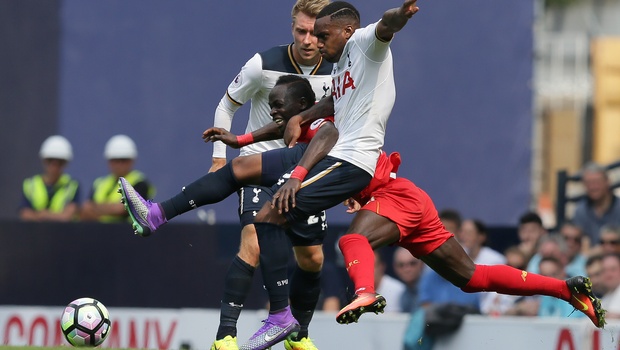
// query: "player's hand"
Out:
[284,199]
[409,8]
[219,134]
[292,131]
[217,164]
[352,205]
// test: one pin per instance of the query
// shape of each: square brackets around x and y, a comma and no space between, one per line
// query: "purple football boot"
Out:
[277,327]
[145,215]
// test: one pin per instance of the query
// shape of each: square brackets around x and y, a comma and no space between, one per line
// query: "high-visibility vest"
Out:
[63,192]
[106,191]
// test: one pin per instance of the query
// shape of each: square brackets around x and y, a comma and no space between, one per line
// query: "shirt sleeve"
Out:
[245,85]
[370,44]
[223,119]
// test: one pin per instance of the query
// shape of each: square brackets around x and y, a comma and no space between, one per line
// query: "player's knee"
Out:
[269,215]
[309,259]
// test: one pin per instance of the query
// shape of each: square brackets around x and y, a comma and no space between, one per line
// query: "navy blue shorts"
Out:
[328,183]
[252,198]
[276,162]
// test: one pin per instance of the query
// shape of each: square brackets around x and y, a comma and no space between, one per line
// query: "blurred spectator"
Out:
[451,220]
[600,206]
[594,270]
[611,278]
[388,286]
[515,257]
[549,246]
[550,306]
[473,236]
[52,195]
[434,289]
[530,231]
[609,240]
[104,203]
[409,270]
[573,237]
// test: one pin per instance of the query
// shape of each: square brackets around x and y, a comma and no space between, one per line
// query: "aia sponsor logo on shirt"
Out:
[341,84]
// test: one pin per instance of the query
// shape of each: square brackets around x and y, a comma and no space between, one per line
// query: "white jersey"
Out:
[256,79]
[364,93]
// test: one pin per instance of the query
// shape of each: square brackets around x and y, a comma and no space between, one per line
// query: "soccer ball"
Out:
[85,322]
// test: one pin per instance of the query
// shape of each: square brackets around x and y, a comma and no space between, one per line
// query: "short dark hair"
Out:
[451,215]
[340,9]
[551,259]
[298,87]
[530,217]
[593,259]
[480,226]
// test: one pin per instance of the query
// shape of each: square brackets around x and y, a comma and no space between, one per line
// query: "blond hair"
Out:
[309,7]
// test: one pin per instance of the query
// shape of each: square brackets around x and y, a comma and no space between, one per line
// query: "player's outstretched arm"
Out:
[318,148]
[323,108]
[395,19]
[271,131]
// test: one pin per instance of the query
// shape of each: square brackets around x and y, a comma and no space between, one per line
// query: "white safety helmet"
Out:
[56,147]
[120,147]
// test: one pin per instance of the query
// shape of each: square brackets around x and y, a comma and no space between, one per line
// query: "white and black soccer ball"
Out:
[85,322]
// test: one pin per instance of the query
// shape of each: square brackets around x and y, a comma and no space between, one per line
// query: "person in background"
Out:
[387,285]
[573,237]
[609,240]
[549,245]
[600,206]
[550,306]
[611,277]
[473,237]
[104,203]
[515,257]
[408,269]
[451,220]
[52,195]
[530,231]
[594,270]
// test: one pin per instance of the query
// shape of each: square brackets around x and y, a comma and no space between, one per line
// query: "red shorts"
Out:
[414,213]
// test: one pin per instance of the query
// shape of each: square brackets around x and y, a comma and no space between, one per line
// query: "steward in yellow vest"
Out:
[52,195]
[104,202]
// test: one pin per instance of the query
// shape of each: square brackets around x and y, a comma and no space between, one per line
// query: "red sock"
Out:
[359,259]
[508,280]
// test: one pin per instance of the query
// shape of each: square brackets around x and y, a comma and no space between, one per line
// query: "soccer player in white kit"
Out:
[254,82]
[363,95]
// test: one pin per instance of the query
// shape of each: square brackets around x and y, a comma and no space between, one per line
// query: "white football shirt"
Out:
[364,93]
[256,79]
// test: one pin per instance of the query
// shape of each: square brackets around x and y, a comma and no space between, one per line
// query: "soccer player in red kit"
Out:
[395,211]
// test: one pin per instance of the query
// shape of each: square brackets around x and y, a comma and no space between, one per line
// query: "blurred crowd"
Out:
[54,195]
